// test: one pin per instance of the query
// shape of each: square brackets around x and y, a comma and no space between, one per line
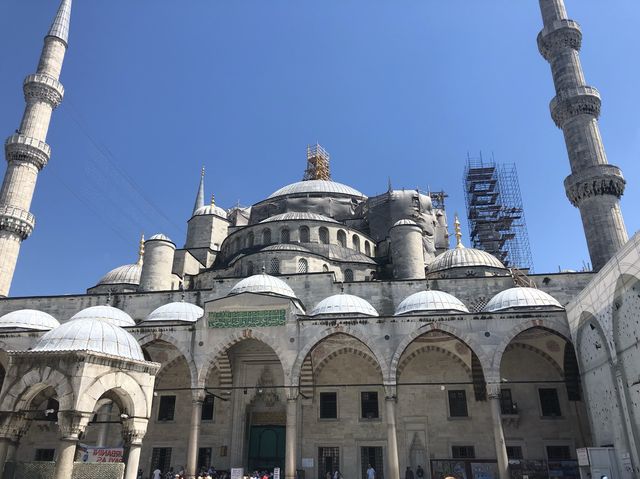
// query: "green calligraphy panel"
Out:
[243,319]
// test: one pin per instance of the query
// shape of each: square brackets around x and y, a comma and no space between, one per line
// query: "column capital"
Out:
[494,390]
[198,396]
[390,392]
[13,425]
[72,424]
[292,393]
[134,430]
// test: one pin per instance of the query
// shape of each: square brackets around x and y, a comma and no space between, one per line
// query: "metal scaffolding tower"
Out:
[495,213]
[317,164]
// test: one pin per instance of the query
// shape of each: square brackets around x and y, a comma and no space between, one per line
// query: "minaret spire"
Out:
[594,186]
[141,250]
[456,223]
[200,195]
[27,151]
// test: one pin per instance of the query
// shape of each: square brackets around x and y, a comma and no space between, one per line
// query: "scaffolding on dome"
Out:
[317,164]
[494,209]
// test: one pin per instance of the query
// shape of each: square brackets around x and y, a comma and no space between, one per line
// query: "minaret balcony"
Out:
[594,181]
[43,88]
[25,148]
[17,221]
[567,104]
[562,34]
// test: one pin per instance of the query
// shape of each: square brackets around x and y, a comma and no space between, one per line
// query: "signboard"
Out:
[100,454]
[276,473]
[307,462]
[244,319]
[237,472]
[583,456]
[484,470]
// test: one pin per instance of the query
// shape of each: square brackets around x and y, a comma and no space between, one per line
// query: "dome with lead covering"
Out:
[178,311]
[91,335]
[285,247]
[126,274]
[316,186]
[299,216]
[430,301]
[160,237]
[263,283]
[521,298]
[105,313]
[210,210]
[344,304]
[406,222]
[30,319]
[464,258]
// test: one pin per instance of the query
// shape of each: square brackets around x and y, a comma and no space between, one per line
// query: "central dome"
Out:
[316,186]
[263,283]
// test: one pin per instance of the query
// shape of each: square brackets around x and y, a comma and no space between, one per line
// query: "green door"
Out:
[266,447]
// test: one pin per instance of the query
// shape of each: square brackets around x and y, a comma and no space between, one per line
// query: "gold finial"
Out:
[213,199]
[141,250]
[456,223]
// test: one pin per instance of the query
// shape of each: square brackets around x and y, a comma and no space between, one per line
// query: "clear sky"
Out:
[392,89]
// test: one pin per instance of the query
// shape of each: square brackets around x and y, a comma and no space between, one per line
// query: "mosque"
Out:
[323,329]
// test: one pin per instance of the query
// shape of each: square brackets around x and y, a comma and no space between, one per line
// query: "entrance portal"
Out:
[266,447]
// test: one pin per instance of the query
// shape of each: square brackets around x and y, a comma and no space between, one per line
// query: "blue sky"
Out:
[155,89]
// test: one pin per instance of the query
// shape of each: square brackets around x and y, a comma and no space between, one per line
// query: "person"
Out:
[328,475]
[371,472]
[157,474]
[140,474]
[336,474]
[420,472]
[408,473]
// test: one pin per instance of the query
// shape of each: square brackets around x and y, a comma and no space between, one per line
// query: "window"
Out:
[367,248]
[328,405]
[372,456]
[44,454]
[323,234]
[325,268]
[266,236]
[250,240]
[369,405]
[514,452]
[342,239]
[207,408]
[356,243]
[274,266]
[507,406]
[558,453]
[458,404]
[284,236]
[549,403]
[167,408]
[236,245]
[463,452]
[303,265]
[204,458]
[348,275]
[328,461]
[249,268]
[304,234]
[161,458]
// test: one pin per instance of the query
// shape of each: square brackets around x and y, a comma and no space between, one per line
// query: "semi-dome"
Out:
[316,186]
[160,237]
[126,274]
[298,216]
[521,298]
[263,283]
[464,258]
[285,247]
[178,311]
[31,319]
[405,222]
[430,301]
[105,313]
[210,210]
[91,335]
[344,304]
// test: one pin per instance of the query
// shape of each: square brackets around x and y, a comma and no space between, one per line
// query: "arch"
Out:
[539,352]
[323,235]
[367,248]
[128,390]
[368,357]
[304,234]
[18,394]
[285,236]
[355,239]
[250,239]
[623,284]
[342,238]
[266,236]
[168,338]
[588,320]
[429,348]
[467,339]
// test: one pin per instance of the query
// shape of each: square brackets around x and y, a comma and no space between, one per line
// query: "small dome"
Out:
[285,247]
[126,274]
[106,313]
[299,217]
[178,311]
[160,236]
[521,298]
[430,301]
[405,222]
[263,283]
[28,319]
[344,304]
[210,210]
[464,258]
[316,186]
[91,335]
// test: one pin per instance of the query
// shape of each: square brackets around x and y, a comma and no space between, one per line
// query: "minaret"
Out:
[27,151]
[594,186]
[200,195]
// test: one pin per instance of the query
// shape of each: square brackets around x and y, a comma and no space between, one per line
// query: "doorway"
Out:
[373,456]
[266,447]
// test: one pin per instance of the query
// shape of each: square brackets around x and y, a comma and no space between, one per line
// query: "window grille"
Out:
[328,461]
[342,239]
[369,404]
[250,240]
[304,234]
[458,404]
[284,236]
[328,405]
[558,453]
[463,452]
[207,408]
[266,237]
[348,275]
[303,265]
[274,266]
[323,233]
[161,458]
[549,402]
[167,408]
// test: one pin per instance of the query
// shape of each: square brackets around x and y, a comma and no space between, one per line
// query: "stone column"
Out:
[291,449]
[72,424]
[390,399]
[133,431]
[12,427]
[194,434]
[4,450]
[493,393]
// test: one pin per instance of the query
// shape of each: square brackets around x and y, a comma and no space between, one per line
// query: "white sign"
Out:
[307,462]
[237,472]
[276,473]
[101,454]
[583,456]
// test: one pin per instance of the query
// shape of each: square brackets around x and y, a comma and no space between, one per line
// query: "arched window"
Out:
[249,268]
[367,248]
[303,265]
[304,234]
[236,245]
[284,235]
[325,268]
[323,234]
[250,240]
[356,243]
[342,238]
[348,275]
[266,236]
[274,266]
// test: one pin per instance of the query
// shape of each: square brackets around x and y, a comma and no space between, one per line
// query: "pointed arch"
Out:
[367,356]
[168,338]
[19,393]
[127,389]
[426,349]
[539,352]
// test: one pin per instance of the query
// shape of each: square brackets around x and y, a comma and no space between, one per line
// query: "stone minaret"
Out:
[27,151]
[594,186]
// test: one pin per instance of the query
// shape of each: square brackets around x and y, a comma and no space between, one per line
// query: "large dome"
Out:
[91,335]
[178,311]
[521,298]
[430,301]
[464,258]
[344,304]
[316,186]
[126,274]
[31,319]
[263,283]
[105,313]
[298,216]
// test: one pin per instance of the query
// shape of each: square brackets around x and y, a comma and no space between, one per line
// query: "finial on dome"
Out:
[141,249]
[456,223]
[264,270]
[213,199]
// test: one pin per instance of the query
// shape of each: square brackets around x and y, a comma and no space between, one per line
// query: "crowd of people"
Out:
[179,473]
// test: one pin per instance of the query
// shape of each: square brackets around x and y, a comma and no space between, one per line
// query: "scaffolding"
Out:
[495,213]
[317,164]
